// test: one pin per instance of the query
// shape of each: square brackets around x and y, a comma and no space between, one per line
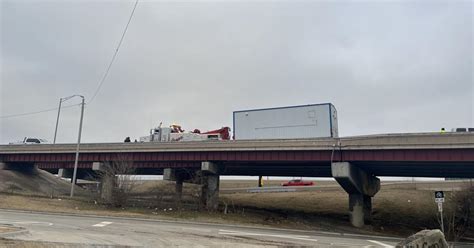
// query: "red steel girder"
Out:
[396,155]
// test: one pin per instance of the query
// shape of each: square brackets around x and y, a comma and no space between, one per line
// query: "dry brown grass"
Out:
[165,187]
[397,209]
[4,229]
[146,186]
[327,201]
[266,183]
[60,205]
[10,243]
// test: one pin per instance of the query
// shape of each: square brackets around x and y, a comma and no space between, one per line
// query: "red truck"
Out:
[297,182]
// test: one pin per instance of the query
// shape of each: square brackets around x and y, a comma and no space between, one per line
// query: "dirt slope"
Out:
[35,182]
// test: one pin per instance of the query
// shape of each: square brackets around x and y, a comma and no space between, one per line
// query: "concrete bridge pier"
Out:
[360,186]
[66,173]
[210,185]
[360,209]
[107,185]
[179,188]
[208,177]
[171,174]
[107,181]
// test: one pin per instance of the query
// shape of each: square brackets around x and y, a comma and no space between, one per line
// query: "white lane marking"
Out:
[349,245]
[35,223]
[236,233]
[102,224]
[381,244]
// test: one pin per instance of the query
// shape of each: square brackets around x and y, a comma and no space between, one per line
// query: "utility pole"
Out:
[57,121]
[77,149]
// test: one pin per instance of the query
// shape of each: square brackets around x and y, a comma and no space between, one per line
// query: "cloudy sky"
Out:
[388,66]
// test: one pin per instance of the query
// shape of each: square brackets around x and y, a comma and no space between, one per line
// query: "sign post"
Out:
[439,198]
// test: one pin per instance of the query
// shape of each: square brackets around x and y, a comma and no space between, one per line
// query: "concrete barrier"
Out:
[425,239]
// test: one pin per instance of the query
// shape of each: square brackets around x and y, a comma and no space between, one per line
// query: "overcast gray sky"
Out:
[398,66]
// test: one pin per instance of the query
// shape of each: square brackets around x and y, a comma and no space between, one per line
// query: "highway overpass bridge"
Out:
[355,162]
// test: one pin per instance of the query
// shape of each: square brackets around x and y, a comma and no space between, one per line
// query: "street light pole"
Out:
[77,148]
[57,121]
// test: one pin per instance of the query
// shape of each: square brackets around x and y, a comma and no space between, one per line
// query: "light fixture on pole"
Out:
[61,100]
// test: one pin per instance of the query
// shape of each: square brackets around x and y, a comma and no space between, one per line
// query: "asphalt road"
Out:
[111,231]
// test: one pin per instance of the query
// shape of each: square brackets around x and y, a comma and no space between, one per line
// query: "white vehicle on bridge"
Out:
[30,141]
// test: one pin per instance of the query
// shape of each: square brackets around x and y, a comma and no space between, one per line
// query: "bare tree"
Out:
[459,214]
[118,181]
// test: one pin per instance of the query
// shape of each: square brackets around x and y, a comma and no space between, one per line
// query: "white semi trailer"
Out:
[292,122]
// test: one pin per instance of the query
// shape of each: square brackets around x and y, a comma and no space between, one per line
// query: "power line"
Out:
[115,54]
[35,112]
[100,83]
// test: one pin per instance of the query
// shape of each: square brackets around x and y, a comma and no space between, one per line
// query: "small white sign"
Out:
[438,200]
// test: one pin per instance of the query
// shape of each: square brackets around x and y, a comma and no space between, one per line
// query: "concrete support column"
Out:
[3,166]
[170,174]
[179,189]
[360,209]
[107,185]
[260,181]
[107,181]
[204,187]
[210,185]
[65,173]
[360,186]
[210,191]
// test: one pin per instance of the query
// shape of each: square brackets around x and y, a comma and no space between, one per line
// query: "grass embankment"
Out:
[396,211]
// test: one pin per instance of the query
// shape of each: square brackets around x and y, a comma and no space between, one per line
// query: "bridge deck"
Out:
[370,142]
[423,154]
